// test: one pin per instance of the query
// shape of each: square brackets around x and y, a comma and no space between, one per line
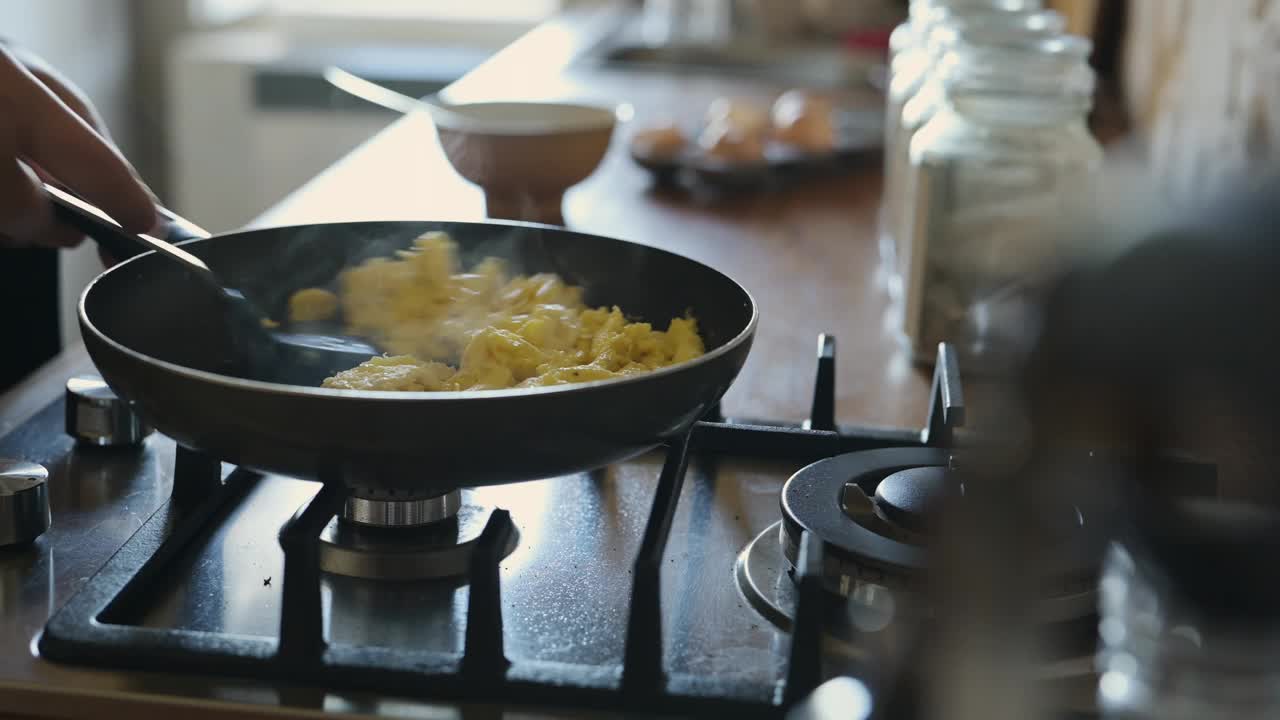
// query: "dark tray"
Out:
[859,139]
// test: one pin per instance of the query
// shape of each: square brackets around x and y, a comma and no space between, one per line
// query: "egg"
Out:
[723,142]
[312,305]
[658,142]
[480,330]
[739,114]
[804,120]
[398,372]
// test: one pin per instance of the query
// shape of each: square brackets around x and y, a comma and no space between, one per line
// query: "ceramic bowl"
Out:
[525,155]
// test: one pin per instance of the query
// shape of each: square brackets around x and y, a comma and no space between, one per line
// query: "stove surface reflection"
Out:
[565,587]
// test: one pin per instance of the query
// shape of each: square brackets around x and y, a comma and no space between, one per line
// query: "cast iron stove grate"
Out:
[90,629]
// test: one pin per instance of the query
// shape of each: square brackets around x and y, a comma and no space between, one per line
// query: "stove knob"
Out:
[97,416]
[24,501]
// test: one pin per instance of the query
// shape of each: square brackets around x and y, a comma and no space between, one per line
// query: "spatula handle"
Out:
[115,240]
[118,242]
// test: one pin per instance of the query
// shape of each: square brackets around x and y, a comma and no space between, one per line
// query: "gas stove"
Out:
[735,570]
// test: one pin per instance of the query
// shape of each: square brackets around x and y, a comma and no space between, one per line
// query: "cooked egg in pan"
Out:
[445,329]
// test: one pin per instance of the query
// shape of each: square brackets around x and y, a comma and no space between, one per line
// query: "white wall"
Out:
[89,41]
[231,159]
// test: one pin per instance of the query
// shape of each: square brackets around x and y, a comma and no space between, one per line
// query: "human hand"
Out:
[49,131]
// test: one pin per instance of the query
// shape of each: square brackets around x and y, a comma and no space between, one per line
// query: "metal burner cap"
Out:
[909,496]
[812,501]
[401,513]
[880,541]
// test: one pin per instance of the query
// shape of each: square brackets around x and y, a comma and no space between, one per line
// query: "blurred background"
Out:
[222,107]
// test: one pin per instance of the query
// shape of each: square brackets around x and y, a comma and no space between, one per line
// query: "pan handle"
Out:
[117,242]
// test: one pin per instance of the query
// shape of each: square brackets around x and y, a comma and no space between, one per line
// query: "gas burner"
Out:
[839,500]
[392,512]
[871,510]
[402,550]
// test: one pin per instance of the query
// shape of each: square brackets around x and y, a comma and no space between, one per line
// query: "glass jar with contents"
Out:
[952,31]
[910,62]
[1005,158]
[908,43]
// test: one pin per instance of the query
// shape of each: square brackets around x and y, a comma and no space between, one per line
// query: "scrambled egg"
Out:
[312,304]
[480,330]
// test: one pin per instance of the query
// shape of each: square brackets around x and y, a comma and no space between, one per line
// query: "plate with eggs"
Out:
[744,141]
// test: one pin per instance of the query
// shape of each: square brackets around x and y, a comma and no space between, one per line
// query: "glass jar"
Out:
[911,57]
[1005,157]
[957,32]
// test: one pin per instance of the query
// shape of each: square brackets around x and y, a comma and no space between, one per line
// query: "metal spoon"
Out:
[377,94]
[470,117]
[291,358]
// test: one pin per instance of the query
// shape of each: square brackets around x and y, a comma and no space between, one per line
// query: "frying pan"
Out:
[158,340]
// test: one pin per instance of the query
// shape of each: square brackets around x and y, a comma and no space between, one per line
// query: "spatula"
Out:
[277,356]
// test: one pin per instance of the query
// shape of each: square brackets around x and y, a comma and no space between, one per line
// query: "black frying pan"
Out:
[158,340]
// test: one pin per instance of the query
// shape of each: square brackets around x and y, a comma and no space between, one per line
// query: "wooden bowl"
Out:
[525,155]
